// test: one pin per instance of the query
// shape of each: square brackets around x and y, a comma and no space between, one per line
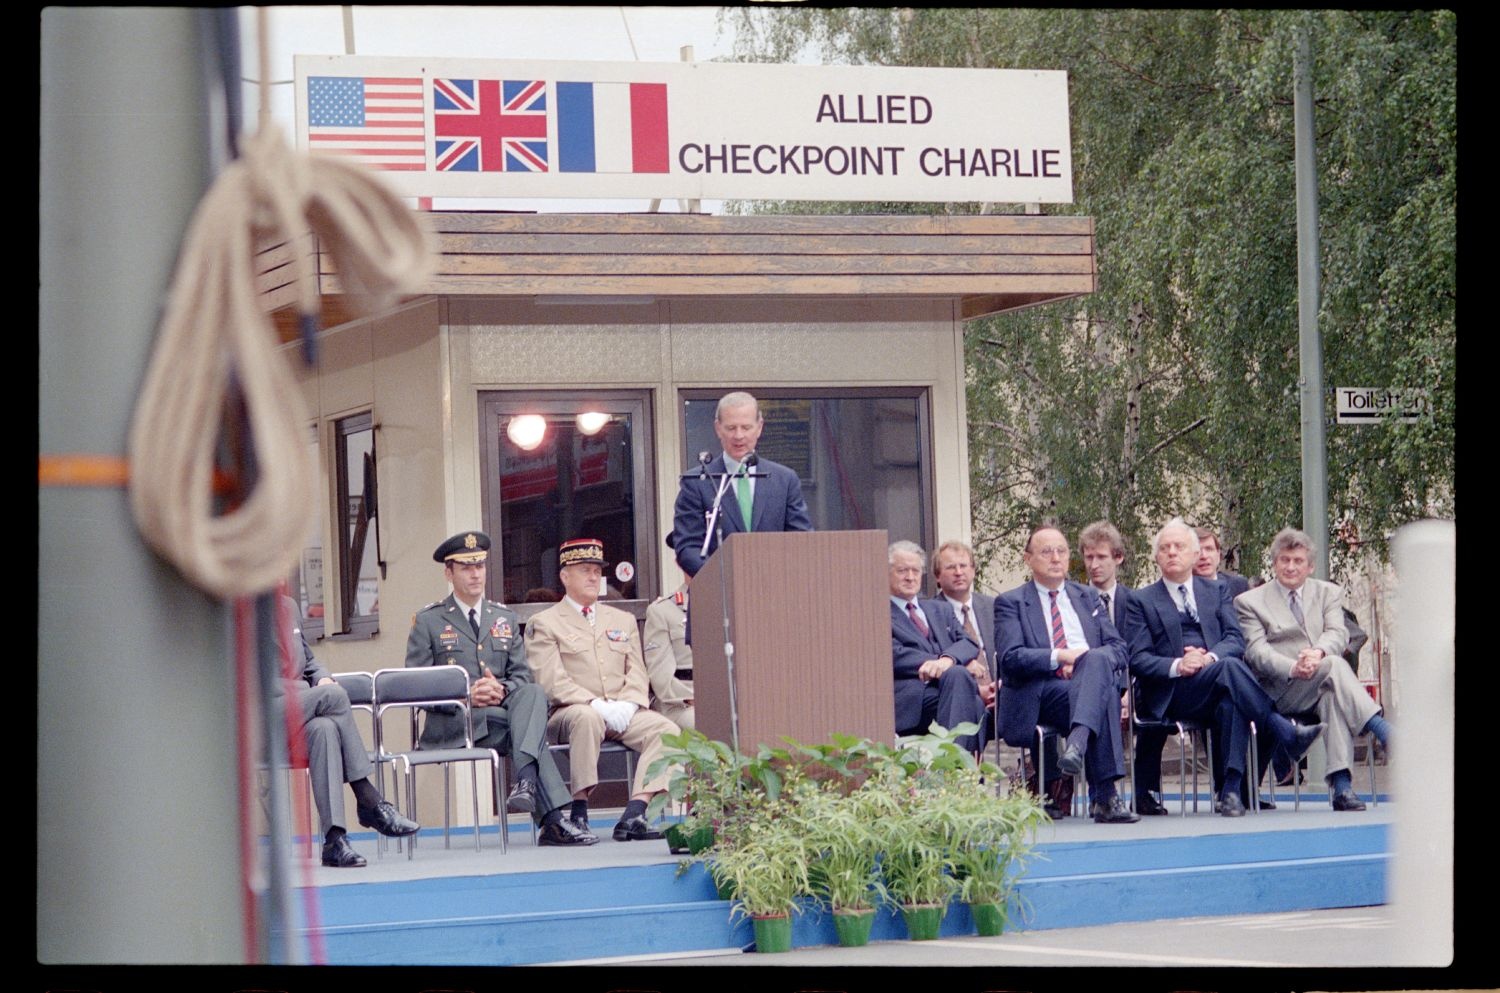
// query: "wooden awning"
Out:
[988,263]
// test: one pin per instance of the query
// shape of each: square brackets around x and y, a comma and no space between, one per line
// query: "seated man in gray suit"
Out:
[1294,641]
[335,751]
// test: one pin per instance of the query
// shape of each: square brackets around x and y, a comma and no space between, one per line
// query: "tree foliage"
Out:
[1173,388]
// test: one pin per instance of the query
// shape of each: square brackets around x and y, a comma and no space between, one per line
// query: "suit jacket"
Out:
[1023,632]
[1272,635]
[1234,583]
[909,649]
[440,635]
[305,669]
[577,662]
[1120,608]
[1156,637]
[778,506]
[983,611]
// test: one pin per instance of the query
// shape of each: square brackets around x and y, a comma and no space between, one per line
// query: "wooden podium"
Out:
[810,620]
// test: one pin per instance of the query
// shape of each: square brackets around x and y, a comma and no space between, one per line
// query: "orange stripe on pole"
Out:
[103,471]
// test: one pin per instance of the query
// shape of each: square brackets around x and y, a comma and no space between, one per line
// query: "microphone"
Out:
[703,461]
[750,461]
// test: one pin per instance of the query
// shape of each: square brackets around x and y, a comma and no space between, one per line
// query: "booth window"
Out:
[306,584]
[359,559]
[569,464]
[863,455]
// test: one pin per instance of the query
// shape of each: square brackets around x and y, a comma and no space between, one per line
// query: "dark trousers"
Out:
[952,699]
[1226,697]
[1089,699]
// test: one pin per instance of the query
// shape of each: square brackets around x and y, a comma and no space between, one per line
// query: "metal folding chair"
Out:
[430,686]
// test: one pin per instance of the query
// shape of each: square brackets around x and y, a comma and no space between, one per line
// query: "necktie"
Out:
[1107,612]
[971,632]
[1297,609]
[588,614]
[1059,640]
[474,623]
[916,618]
[742,491]
[1186,603]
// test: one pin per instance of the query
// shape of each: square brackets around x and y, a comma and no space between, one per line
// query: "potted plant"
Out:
[844,842]
[987,839]
[768,871]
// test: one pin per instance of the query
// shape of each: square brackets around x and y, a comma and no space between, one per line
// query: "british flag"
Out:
[489,125]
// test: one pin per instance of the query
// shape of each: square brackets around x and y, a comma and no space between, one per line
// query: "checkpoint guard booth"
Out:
[560,371]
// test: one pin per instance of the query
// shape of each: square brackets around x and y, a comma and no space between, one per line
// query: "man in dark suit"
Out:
[335,751]
[929,654]
[1059,662]
[1185,653]
[1103,553]
[769,502]
[1207,565]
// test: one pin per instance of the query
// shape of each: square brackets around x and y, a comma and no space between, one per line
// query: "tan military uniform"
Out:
[667,655]
[576,662]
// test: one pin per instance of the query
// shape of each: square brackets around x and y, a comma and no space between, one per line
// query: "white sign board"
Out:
[464,127]
[1367,404]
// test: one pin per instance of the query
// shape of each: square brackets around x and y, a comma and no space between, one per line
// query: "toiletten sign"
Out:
[451,127]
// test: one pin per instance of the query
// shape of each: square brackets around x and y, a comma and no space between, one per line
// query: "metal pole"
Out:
[1310,380]
[137,844]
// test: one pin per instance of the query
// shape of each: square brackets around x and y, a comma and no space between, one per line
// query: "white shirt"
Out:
[589,616]
[1072,626]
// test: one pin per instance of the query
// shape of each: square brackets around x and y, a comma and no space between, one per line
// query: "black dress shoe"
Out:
[1266,803]
[1302,739]
[1070,762]
[339,854]
[565,832]
[635,829]
[1230,806]
[385,818]
[1347,800]
[1052,809]
[1148,805]
[522,798]
[1114,811]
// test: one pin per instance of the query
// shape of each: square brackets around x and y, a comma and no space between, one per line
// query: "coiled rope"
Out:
[214,330]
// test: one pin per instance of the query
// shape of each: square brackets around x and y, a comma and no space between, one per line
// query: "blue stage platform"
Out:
[621,900]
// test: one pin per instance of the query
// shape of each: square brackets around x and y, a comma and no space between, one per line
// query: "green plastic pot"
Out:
[693,842]
[773,934]
[853,927]
[989,919]
[923,920]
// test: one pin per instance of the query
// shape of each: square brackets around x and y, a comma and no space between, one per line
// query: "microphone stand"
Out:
[713,533]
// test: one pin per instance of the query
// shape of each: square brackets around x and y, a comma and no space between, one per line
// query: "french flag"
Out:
[612,127]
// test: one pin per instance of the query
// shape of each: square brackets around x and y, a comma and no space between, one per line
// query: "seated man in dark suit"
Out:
[1060,660]
[929,653]
[335,751]
[1185,653]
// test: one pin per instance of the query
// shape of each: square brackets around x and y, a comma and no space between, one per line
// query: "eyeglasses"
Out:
[1054,552]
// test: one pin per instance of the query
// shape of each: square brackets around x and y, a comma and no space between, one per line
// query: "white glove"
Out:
[603,708]
[624,711]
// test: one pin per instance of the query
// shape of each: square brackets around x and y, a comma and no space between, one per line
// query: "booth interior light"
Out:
[591,422]
[526,431]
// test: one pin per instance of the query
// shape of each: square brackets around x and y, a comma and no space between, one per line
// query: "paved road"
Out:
[1361,936]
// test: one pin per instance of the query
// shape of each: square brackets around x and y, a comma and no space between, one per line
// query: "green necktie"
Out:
[742,490]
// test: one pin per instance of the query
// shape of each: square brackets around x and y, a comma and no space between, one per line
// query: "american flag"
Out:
[376,120]
[489,125]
